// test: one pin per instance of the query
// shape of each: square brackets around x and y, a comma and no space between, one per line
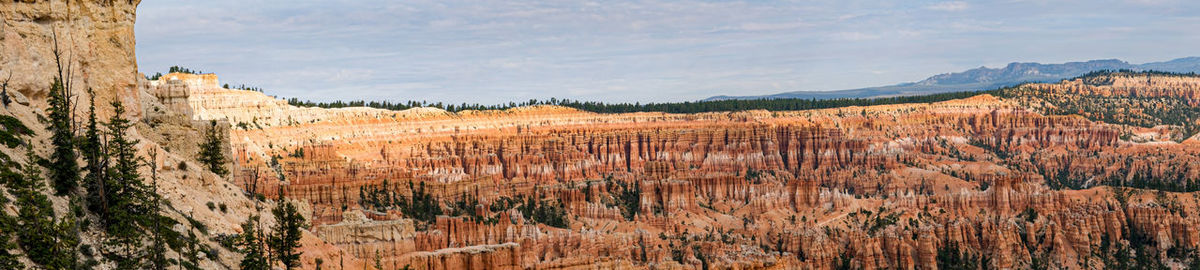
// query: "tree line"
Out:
[783,104]
[179,69]
[173,69]
[243,87]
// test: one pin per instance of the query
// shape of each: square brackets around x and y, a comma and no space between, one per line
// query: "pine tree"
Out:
[285,241]
[210,150]
[66,234]
[160,226]
[45,242]
[93,151]
[252,246]
[128,212]
[191,253]
[9,224]
[64,169]
[8,260]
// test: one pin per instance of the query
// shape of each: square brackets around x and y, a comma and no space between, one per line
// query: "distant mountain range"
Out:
[984,78]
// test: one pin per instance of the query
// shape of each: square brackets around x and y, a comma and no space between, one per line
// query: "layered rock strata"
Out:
[94,44]
[873,187]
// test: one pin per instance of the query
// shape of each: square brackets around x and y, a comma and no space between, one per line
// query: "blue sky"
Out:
[624,51]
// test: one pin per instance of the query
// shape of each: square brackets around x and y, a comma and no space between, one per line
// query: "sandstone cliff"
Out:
[876,187]
[94,40]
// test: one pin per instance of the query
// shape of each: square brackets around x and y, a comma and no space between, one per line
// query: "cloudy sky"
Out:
[624,51]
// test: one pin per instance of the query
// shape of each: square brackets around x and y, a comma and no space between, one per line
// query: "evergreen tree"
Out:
[8,224]
[286,238]
[782,104]
[8,259]
[210,150]
[420,205]
[93,151]
[45,242]
[64,169]
[252,246]
[1194,263]
[129,211]
[160,226]
[950,256]
[67,236]
[191,253]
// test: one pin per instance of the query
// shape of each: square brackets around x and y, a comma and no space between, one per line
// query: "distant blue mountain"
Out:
[984,78]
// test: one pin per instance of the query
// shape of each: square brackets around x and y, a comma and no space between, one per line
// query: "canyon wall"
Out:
[94,41]
[889,186]
[95,45]
[1100,171]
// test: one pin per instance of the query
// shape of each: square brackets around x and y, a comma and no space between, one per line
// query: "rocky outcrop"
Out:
[1010,181]
[93,43]
[94,40]
[1130,85]
[882,186]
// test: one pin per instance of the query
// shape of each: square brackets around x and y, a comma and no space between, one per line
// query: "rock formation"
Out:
[96,44]
[876,187]
[94,40]
[1094,172]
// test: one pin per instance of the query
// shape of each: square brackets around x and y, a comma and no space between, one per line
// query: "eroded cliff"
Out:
[993,180]
[93,44]
[92,40]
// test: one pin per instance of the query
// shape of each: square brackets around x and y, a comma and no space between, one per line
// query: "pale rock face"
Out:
[171,129]
[95,38]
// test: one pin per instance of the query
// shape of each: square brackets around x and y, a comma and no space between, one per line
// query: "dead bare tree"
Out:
[4,92]
[66,73]
[252,185]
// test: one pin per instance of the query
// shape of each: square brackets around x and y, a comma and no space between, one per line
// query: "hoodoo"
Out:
[108,168]
[890,186]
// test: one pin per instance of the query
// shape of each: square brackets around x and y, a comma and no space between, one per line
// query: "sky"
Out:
[492,52]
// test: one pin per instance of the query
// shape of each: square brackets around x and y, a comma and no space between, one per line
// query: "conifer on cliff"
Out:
[210,150]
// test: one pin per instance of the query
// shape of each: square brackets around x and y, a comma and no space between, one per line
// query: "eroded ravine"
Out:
[877,187]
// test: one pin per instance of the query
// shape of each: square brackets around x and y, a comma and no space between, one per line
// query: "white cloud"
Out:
[645,50]
[757,26]
[948,6]
[853,36]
